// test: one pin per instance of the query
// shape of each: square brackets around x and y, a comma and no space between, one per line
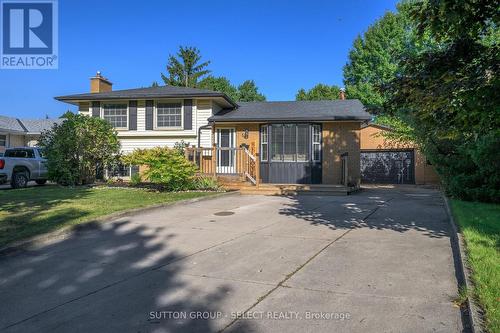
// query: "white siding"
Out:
[204,108]
[141,116]
[15,140]
[142,138]
[129,144]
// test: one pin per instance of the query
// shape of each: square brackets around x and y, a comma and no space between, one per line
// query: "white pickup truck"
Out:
[20,165]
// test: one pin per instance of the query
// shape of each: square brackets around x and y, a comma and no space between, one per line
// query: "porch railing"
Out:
[225,161]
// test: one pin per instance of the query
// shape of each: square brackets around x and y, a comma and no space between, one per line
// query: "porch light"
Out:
[245,133]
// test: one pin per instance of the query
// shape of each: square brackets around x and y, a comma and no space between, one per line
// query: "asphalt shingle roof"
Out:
[152,92]
[39,125]
[11,124]
[351,109]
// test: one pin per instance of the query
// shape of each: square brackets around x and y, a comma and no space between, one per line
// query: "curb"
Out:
[61,234]
[457,240]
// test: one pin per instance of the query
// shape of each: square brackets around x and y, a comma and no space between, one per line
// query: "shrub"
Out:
[165,166]
[135,179]
[205,183]
[77,147]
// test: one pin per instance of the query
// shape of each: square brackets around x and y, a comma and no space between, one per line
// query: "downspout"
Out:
[208,126]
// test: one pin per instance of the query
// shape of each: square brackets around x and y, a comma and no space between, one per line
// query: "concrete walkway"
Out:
[376,261]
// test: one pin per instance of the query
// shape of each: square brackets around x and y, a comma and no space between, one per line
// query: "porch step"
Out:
[295,189]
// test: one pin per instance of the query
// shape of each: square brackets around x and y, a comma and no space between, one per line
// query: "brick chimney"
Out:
[99,83]
[342,94]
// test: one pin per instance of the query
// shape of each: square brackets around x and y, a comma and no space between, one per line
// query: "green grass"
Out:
[37,210]
[480,225]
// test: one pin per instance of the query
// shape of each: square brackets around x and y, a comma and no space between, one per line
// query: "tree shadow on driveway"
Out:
[382,209]
[115,278]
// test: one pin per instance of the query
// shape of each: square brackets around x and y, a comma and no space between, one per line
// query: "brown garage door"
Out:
[388,167]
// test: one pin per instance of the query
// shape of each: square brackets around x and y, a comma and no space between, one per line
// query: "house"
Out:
[387,161]
[296,142]
[16,132]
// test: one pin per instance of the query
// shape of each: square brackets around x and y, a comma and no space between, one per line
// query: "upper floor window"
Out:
[169,115]
[116,115]
[3,140]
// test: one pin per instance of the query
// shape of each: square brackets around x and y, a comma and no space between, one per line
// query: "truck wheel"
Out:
[41,181]
[19,180]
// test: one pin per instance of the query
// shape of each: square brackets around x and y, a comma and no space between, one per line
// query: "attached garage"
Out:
[389,166]
[386,161]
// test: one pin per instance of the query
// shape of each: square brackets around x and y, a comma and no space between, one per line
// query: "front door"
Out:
[226,155]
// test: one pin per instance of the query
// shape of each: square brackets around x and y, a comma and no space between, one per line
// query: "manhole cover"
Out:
[224,213]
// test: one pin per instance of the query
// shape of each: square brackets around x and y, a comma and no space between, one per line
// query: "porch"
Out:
[239,169]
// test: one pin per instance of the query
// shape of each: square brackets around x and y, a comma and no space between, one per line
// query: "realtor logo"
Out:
[29,34]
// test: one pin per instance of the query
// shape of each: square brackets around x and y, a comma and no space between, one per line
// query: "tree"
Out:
[185,69]
[220,84]
[374,59]
[319,92]
[66,114]
[154,84]
[77,147]
[248,92]
[449,91]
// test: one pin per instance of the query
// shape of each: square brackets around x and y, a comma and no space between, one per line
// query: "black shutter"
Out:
[132,115]
[149,115]
[188,114]
[96,109]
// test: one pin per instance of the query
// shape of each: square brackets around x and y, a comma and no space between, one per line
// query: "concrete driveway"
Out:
[377,261]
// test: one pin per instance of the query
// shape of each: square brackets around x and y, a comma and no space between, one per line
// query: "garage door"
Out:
[390,167]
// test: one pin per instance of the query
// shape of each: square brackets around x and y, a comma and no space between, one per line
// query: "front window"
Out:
[290,142]
[263,143]
[116,115]
[3,140]
[169,115]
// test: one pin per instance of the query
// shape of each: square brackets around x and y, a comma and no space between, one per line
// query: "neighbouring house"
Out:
[16,132]
[296,142]
[387,161]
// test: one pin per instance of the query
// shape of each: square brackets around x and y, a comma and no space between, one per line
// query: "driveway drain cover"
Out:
[224,213]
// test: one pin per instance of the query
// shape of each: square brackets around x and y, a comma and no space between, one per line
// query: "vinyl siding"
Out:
[141,116]
[129,144]
[142,138]
[204,111]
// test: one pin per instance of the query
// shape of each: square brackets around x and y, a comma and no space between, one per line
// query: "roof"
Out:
[39,125]
[351,109]
[144,93]
[380,126]
[11,124]
[26,126]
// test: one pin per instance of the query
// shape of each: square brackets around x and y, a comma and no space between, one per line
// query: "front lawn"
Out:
[36,210]
[480,225]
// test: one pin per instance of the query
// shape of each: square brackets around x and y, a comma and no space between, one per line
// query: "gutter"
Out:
[72,99]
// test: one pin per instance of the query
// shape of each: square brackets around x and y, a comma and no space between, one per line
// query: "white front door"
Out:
[226,158]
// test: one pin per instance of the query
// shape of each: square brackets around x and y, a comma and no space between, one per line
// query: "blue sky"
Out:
[282,45]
